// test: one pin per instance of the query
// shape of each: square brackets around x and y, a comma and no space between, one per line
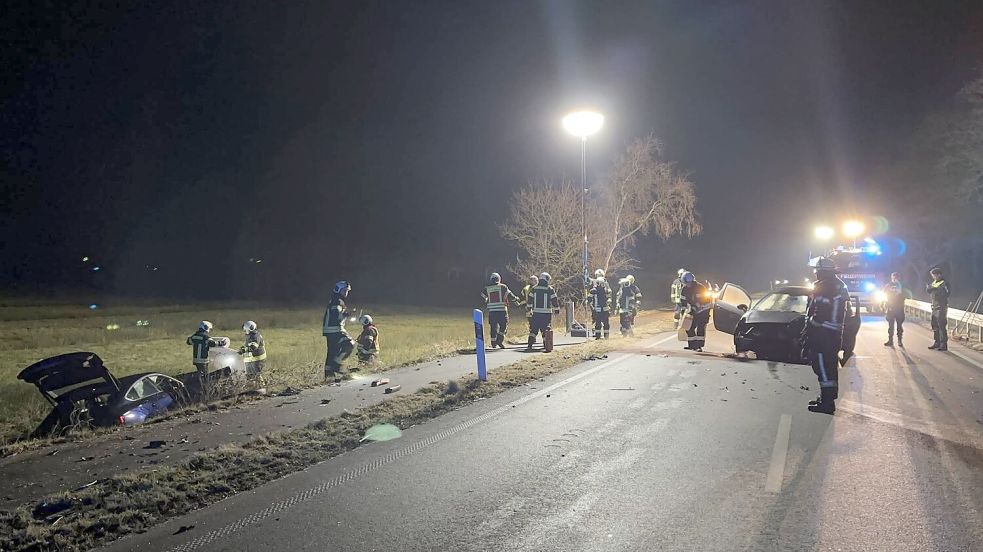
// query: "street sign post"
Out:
[479,344]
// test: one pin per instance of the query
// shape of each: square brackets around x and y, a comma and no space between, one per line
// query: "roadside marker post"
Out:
[479,344]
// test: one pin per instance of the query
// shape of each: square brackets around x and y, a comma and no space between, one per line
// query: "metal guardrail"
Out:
[959,320]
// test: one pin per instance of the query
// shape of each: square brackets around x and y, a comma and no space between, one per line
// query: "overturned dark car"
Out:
[772,327]
[84,393]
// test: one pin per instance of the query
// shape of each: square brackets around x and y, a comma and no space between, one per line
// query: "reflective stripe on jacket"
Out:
[255,347]
[544,298]
[334,317]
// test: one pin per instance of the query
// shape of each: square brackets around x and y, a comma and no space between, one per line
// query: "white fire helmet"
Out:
[249,326]
[534,279]
[495,277]
[630,278]
[681,271]
[599,273]
[545,276]
[365,320]
[205,326]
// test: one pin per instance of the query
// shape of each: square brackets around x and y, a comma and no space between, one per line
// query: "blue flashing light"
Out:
[869,286]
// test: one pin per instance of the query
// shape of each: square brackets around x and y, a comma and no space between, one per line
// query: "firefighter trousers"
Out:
[824,348]
[340,347]
[498,323]
[697,333]
[602,324]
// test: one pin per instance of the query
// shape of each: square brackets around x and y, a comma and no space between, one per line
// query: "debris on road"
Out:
[325,401]
[289,391]
[379,382]
[155,444]
[804,387]
[622,389]
[183,529]
[87,485]
[382,432]
[393,389]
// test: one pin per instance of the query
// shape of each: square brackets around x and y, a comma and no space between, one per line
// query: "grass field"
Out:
[295,346]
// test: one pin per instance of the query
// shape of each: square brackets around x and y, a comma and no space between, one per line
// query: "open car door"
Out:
[729,306]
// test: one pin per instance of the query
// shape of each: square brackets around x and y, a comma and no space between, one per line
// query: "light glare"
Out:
[583,123]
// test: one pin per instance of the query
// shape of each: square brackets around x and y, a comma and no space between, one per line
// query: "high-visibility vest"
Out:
[676,293]
[255,348]
[200,343]
[334,318]
[495,296]
[543,299]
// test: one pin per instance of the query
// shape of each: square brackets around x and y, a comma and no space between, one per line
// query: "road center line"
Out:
[776,472]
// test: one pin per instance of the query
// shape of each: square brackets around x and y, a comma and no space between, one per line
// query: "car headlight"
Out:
[880,297]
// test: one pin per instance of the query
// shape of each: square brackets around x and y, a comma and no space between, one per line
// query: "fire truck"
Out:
[864,270]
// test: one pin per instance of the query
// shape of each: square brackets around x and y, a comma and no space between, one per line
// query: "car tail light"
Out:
[122,420]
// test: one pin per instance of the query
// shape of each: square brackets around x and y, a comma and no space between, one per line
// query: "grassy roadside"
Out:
[295,346]
[132,503]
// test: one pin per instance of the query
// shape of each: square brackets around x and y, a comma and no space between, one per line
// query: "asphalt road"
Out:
[652,449]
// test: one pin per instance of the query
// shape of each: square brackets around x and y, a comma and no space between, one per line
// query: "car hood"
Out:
[771,317]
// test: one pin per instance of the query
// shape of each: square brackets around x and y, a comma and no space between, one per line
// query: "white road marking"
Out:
[951,350]
[946,432]
[660,342]
[776,472]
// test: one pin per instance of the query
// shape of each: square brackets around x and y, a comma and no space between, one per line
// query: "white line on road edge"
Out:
[657,343]
[954,352]
[776,472]
[304,496]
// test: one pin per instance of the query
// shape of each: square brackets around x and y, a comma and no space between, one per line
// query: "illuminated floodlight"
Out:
[583,123]
[853,228]
[824,232]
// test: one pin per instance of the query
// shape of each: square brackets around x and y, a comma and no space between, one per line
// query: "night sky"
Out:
[382,140]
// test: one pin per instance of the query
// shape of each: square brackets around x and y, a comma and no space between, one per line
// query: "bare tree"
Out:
[545,224]
[643,194]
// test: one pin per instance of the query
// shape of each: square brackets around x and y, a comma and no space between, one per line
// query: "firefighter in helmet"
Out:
[527,299]
[697,300]
[544,305]
[497,297]
[629,301]
[200,342]
[676,294]
[823,332]
[254,351]
[600,302]
[340,344]
[368,340]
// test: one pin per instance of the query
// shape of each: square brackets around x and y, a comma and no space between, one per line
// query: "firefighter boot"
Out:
[825,403]
[900,342]
[529,342]
[890,341]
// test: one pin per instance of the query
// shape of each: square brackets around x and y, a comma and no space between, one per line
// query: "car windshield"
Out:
[783,302]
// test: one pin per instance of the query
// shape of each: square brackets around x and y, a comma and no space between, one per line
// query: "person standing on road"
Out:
[544,305]
[254,351]
[527,299]
[600,302]
[939,290]
[676,295]
[340,344]
[697,299]
[200,342]
[823,332]
[894,296]
[497,297]
[629,300]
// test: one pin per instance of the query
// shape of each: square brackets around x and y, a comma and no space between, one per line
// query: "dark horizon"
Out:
[382,142]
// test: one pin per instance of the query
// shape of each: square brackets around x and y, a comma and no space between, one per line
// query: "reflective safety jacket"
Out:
[497,296]
[255,348]
[628,297]
[526,291]
[600,298]
[829,307]
[543,298]
[895,295]
[676,292]
[368,340]
[697,297]
[939,290]
[334,316]
[200,342]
